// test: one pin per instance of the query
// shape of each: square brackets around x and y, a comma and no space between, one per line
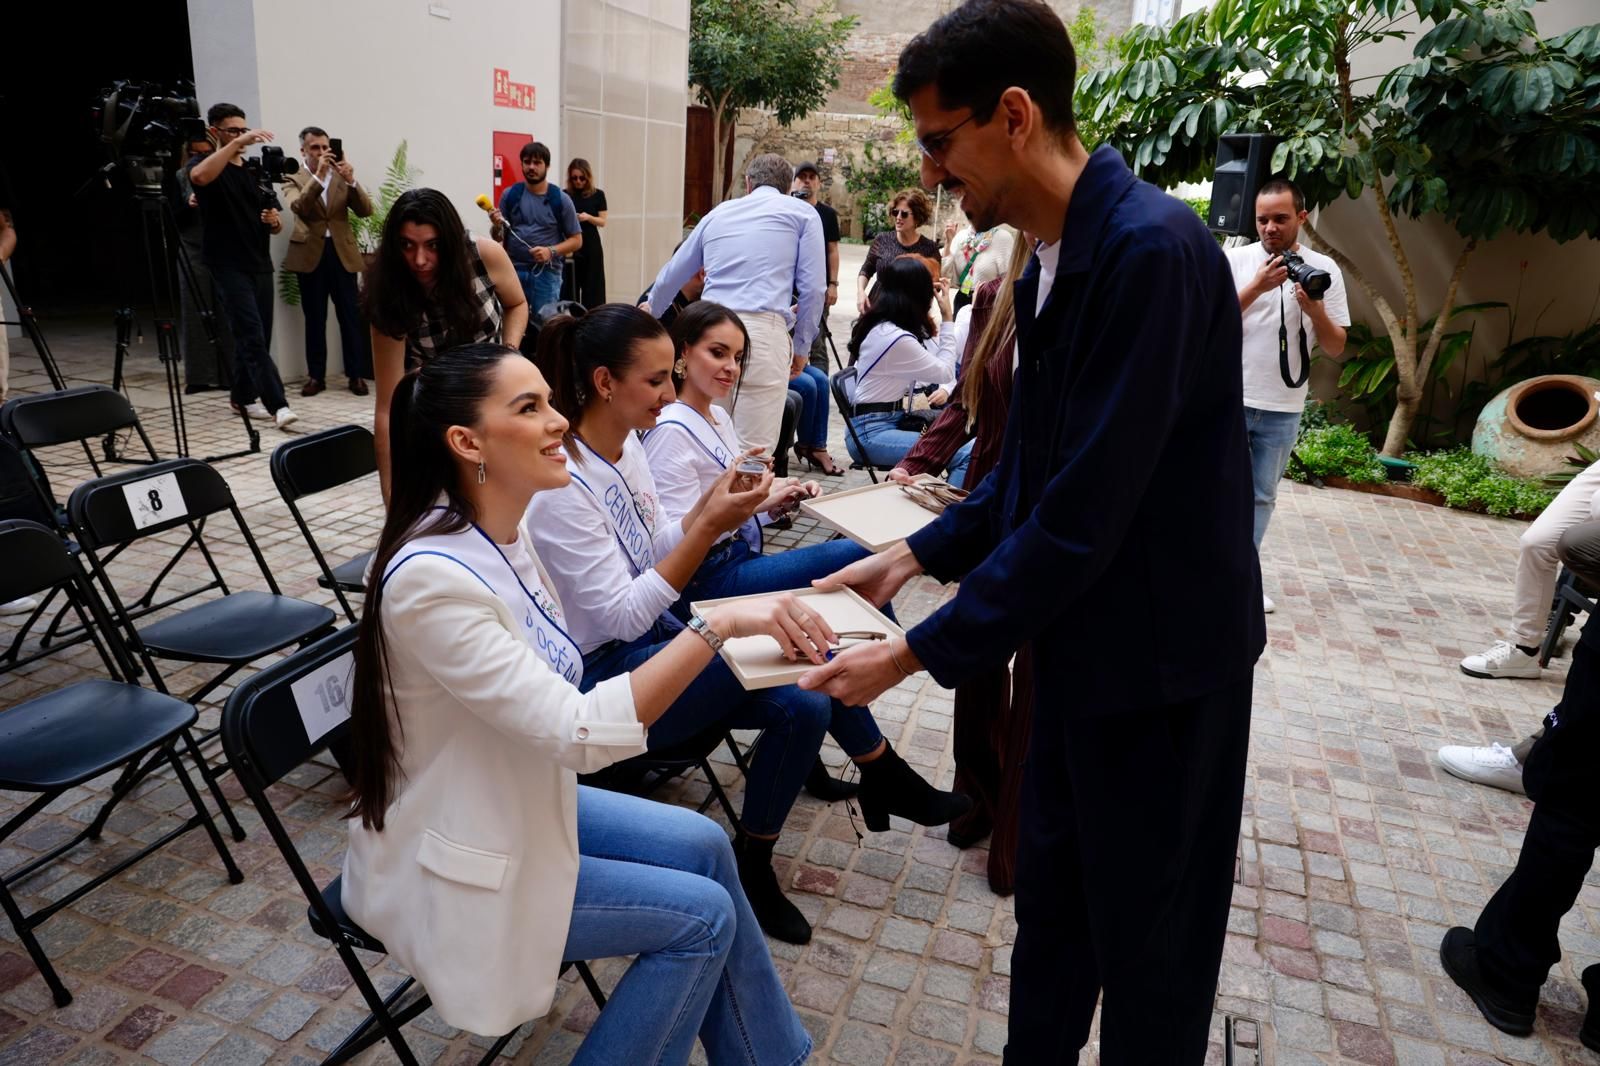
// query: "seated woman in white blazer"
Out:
[619,564]
[474,855]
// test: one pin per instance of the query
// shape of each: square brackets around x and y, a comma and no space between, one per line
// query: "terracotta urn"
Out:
[1532,427]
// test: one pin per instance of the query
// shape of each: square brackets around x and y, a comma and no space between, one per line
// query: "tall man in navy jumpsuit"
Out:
[1115,535]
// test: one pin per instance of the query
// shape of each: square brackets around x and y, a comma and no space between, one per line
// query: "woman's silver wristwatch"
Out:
[700,626]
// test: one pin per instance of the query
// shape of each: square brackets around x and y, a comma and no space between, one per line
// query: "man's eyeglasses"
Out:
[937,145]
[232,131]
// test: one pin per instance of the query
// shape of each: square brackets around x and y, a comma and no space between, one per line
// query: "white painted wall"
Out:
[374,73]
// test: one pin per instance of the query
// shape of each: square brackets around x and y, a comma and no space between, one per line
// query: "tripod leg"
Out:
[30,326]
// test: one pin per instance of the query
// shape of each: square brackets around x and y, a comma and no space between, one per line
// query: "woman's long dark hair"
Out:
[393,299]
[905,289]
[448,390]
[572,349]
[692,323]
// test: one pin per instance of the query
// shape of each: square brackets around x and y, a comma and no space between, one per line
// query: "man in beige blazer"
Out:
[324,254]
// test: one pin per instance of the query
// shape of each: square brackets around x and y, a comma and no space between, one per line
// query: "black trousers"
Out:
[332,281]
[1129,829]
[245,298]
[1517,932]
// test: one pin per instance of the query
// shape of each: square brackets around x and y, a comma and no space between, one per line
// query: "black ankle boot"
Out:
[778,917]
[1458,954]
[890,786]
[823,785]
[1590,1033]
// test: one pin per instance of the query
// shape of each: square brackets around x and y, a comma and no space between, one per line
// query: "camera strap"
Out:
[1283,349]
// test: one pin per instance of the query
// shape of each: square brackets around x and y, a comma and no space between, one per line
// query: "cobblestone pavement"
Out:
[1357,850]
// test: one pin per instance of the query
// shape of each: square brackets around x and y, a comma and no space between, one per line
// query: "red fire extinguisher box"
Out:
[507,161]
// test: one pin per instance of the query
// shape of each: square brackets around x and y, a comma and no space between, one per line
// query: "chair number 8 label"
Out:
[154,500]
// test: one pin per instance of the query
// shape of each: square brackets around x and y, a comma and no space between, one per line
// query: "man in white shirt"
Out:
[1280,317]
[757,252]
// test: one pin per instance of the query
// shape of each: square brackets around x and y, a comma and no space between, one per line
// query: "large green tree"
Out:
[761,53]
[1490,126]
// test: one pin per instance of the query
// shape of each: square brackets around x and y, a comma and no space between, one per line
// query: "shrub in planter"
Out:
[1336,451]
[1476,483]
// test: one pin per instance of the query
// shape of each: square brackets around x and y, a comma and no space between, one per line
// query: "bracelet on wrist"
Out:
[895,658]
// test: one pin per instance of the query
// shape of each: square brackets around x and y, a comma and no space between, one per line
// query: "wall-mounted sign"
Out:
[829,155]
[508,93]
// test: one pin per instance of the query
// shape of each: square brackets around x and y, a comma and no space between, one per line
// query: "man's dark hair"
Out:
[983,48]
[312,131]
[535,150]
[1274,186]
[217,112]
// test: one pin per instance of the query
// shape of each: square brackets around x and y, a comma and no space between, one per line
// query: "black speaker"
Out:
[1243,166]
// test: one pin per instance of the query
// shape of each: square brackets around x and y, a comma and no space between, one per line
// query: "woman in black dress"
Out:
[908,210]
[586,276]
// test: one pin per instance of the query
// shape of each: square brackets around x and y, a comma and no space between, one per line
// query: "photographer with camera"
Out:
[324,255]
[238,212]
[1283,287]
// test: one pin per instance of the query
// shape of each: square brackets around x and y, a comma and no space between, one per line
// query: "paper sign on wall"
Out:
[153,500]
[323,696]
[829,155]
[508,93]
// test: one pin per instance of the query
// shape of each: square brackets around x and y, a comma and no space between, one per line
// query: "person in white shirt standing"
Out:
[757,252]
[1281,317]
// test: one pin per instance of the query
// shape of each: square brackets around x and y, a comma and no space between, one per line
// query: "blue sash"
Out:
[634,533]
[685,418]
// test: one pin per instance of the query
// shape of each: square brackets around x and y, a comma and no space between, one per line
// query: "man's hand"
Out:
[877,577]
[857,676]
[1272,274]
[831,297]
[269,218]
[249,137]
[797,365]
[541,254]
[496,219]
[346,171]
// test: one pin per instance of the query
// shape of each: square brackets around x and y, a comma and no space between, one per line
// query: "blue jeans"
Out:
[660,882]
[792,719]
[812,429]
[541,284]
[956,472]
[1271,435]
[885,444]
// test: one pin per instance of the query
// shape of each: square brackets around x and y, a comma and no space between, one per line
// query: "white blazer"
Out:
[470,884]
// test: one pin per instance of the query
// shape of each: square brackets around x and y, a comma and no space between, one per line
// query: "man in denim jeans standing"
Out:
[538,224]
[1277,319]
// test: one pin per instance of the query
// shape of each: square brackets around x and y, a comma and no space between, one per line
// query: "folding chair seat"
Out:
[316,463]
[266,738]
[233,630]
[842,383]
[68,736]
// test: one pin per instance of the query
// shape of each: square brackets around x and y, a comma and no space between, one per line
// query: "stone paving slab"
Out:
[1356,852]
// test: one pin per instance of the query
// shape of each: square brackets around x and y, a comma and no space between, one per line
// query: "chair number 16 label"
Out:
[154,500]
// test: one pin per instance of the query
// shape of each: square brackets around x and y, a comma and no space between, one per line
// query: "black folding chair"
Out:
[317,463]
[265,738]
[1572,596]
[233,630]
[842,383]
[57,741]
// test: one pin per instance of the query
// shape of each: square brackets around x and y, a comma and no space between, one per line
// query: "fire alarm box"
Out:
[507,161]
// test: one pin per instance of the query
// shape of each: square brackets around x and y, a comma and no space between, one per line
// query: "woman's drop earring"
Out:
[482,474]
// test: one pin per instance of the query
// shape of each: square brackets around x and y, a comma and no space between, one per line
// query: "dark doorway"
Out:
[700,139]
[77,247]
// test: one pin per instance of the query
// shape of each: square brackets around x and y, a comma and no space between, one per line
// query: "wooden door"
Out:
[700,140]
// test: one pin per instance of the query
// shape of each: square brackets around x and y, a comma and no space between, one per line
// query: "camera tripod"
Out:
[167,265]
[30,326]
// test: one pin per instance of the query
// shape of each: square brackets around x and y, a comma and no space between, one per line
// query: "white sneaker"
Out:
[1494,766]
[284,417]
[23,606]
[1503,659]
[1267,606]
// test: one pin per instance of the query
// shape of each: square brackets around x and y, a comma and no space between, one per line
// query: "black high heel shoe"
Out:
[890,786]
[818,459]
[823,785]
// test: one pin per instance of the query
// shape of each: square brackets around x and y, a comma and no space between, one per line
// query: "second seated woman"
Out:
[474,855]
[894,347]
[619,563]
[432,285]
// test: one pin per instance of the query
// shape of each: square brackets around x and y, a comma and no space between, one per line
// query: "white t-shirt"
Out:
[1264,388]
[588,569]
[1049,258]
[892,361]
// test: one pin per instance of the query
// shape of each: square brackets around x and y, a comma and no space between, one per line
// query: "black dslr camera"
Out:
[270,171]
[1315,282]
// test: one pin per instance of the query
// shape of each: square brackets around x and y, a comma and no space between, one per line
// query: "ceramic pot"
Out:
[1532,427]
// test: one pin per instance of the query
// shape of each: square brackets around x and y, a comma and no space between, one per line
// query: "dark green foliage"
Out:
[1336,451]
[1475,483]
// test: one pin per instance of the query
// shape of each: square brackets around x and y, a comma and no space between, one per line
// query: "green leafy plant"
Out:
[876,177]
[1490,127]
[1476,483]
[1576,464]
[761,53]
[1336,450]
[399,177]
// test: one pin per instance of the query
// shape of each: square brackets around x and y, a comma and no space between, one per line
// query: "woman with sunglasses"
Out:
[619,560]
[586,274]
[908,210]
